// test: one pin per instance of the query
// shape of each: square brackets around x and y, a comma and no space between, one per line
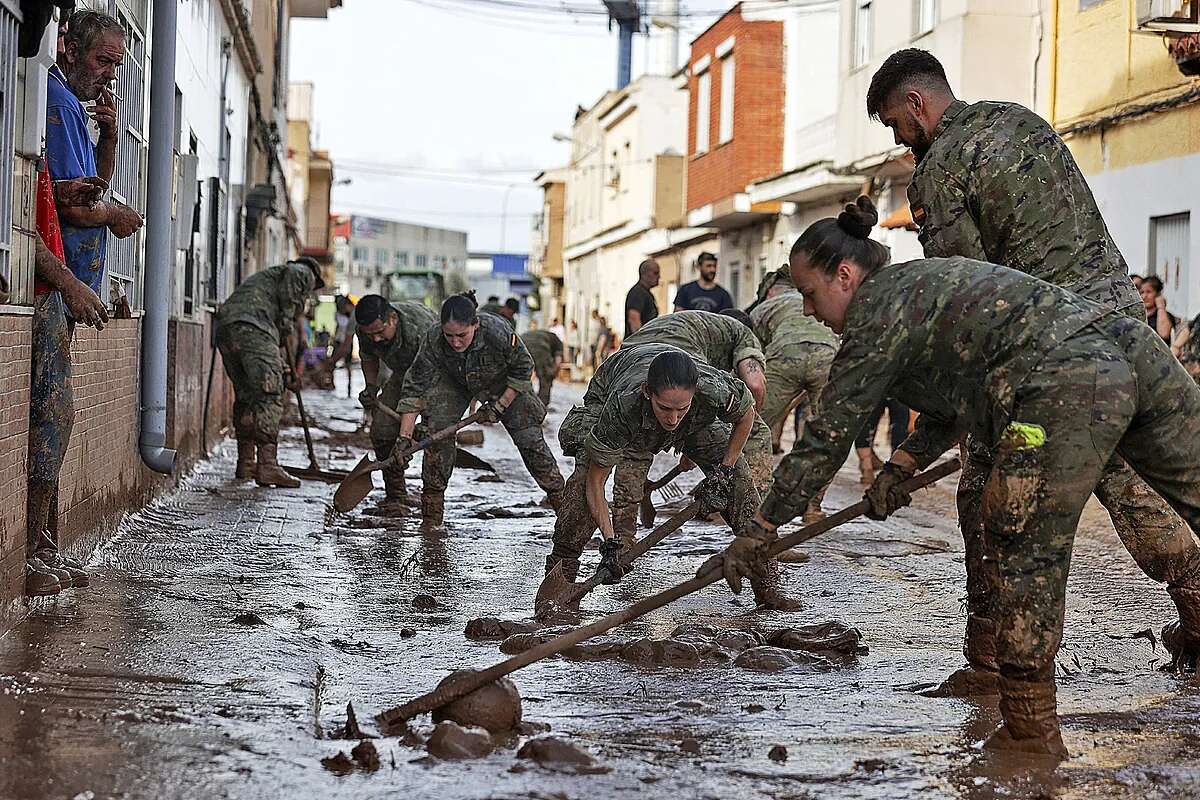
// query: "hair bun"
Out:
[470,295]
[859,218]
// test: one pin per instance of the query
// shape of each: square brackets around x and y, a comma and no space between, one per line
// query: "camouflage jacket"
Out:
[780,324]
[625,420]
[952,338]
[414,321]
[544,346]
[999,185]
[495,360]
[721,341]
[1189,354]
[494,310]
[270,299]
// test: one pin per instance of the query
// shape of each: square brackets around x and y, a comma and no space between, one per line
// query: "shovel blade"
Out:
[553,592]
[465,460]
[355,487]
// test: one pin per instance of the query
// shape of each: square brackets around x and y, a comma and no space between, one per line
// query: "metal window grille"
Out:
[125,256]
[9,26]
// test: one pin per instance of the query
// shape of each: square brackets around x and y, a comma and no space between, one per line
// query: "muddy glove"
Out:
[715,492]
[886,497]
[367,398]
[403,450]
[746,557]
[610,562]
[489,412]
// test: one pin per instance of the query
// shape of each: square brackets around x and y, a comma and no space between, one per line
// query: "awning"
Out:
[900,218]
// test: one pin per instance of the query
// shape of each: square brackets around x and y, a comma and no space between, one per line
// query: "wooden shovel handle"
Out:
[654,486]
[394,718]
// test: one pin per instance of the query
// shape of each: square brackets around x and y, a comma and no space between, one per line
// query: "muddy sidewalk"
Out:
[227,627]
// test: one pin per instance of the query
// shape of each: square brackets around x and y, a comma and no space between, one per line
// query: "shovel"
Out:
[556,592]
[357,485]
[461,457]
[648,512]
[394,720]
[313,471]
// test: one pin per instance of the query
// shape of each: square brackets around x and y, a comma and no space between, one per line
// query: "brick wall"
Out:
[15,336]
[756,149]
[189,357]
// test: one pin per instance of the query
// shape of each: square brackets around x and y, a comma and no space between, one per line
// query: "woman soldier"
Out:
[1055,382]
[643,400]
[473,356]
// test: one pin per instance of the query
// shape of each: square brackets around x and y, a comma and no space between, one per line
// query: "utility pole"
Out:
[628,17]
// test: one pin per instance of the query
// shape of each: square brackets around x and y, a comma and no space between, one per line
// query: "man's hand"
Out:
[367,397]
[84,305]
[886,497]
[610,562]
[490,412]
[403,449]
[123,221]
[746,557]
[105,114]
[715,492]
[79,192]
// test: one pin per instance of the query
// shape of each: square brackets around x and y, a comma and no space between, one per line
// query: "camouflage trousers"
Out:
[1108,400]
[575,525]
[384,427]
[800,374]
[444,406]
[545,378]
[252,361]
[51,409]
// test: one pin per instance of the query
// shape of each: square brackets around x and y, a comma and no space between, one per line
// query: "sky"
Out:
[460,92]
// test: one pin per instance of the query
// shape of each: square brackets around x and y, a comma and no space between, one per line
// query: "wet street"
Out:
[227,627]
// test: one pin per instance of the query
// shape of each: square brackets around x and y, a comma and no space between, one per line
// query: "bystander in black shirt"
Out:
[692,297]
[640,300]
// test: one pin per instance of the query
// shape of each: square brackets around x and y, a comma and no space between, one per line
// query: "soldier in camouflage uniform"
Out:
[1187,348]
[546,349]
[256,332]
[994,182]
[1052,383]
[388,334]
[645,399]
[720,341]
[506,310]
[473,356]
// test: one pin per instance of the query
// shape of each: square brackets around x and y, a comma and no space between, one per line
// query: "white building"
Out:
[376,247]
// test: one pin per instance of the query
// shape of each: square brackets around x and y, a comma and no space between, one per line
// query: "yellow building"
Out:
[1121,95]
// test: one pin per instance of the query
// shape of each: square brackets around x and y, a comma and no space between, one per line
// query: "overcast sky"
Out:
[457,88]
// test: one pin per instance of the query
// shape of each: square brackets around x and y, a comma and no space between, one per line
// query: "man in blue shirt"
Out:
[704,294]
[91,50]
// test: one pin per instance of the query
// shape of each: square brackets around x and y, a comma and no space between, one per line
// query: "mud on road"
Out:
[227,628]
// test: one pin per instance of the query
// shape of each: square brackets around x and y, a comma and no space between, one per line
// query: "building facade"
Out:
[546,245]
[374,248]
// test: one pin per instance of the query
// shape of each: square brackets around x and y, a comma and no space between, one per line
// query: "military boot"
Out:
[1182,637]
[269,473]
[245,459]
[570,566]
[433,506]
[39,580]
[767,591]
[1030,715]
[814,513]
[395,500]
[48,553]
[981,676]
[625,525]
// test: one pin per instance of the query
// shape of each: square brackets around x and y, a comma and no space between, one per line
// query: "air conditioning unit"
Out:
[1169,16]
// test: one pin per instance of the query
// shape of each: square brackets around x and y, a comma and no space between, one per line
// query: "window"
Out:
[861,46]
[8,101]
[382,256]
[703,95]
[360,254]
[925,16]
[401,258]
[725,124]
[420,260]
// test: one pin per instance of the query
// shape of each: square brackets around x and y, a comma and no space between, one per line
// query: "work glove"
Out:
[886,497]
[715,492]
[368,397]
[403,450]
[746,557]
[610,562]
[489,413]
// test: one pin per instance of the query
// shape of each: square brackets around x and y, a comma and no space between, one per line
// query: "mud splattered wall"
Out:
[15,337]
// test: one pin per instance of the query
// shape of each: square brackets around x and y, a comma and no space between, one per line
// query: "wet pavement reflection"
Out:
[227,627]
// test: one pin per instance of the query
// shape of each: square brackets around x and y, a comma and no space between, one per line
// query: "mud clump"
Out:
[493,628]
[338,764]
[365,756]
[560,754]
[661,653]
[520,642]
[424,602]
[453,742]
[248,618]
[830,638]
[495,707]
[778,753]
[596,649]
[471,438]
[690,746]
[778,659]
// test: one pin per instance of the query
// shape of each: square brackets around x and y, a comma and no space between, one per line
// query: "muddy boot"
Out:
[981,676]
[625,525]
[269,473]
[245,460]
[433,506]
[814,513]
[866,466]
[395,500]
[570,566]
[769,594]
[1030,720]
[39,580]
[1182,637]
[47,552]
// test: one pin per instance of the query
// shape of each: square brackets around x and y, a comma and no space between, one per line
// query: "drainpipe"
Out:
[156,277]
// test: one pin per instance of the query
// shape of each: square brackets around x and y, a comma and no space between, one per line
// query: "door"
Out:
[1169,238]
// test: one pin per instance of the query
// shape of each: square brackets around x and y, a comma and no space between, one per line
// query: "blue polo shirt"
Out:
[71,154]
